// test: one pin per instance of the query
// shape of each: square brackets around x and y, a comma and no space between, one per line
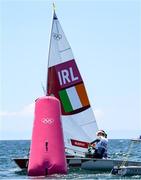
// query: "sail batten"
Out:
[65,83]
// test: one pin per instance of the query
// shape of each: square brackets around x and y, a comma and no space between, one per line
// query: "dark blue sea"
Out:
[118,149]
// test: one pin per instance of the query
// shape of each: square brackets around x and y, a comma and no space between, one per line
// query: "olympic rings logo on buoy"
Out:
[47,121]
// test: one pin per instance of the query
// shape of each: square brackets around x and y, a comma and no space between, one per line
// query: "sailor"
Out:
[100,145]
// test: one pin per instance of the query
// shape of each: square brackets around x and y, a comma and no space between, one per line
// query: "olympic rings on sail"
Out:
[57,36]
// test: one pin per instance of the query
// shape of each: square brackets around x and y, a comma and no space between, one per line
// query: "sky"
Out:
[105,37]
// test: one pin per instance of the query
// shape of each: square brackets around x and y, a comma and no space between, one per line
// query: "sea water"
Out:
[118,149]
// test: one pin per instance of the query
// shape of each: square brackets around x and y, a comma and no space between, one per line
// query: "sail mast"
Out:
[53,17]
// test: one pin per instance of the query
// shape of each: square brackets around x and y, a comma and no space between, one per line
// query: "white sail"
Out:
[65,82]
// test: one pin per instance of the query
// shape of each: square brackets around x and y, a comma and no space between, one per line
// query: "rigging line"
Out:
[43,88]
[128,152]
[126,158]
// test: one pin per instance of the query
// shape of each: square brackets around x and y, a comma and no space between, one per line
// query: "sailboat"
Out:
[64,81]
[137,139]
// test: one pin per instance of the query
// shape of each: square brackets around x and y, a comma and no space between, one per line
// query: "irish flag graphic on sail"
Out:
[65,82]
[74,98]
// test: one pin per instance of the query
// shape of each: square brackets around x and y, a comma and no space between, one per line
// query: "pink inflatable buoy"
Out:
[47,152]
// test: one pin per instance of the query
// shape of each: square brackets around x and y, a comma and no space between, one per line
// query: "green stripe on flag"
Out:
[65,101]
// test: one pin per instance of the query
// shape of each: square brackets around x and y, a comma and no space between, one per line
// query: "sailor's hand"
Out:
[93,146]
[89,148]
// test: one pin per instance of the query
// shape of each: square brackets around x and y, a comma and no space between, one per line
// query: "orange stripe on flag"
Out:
[82,94]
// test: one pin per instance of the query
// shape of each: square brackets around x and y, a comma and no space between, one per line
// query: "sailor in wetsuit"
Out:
[100,145]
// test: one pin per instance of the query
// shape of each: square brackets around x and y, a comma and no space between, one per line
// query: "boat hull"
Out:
[126,170]
[85,163]
[136,140]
